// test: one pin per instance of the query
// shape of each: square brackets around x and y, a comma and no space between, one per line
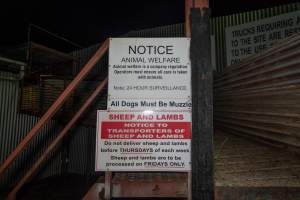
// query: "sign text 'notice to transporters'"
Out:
[157,141]
[147,125]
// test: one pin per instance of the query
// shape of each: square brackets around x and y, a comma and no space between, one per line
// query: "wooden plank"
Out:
[202,118]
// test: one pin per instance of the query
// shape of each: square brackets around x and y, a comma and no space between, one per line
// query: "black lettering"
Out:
[150,49]
[131,49]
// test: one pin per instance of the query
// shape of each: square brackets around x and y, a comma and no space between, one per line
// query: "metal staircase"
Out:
[48,116]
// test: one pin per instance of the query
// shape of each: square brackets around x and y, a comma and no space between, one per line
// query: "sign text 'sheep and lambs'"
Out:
[139,141]
[149,73]
[148,123]
[254,37]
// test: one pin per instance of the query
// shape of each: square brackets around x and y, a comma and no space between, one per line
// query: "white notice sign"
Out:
[143,141]
[149,74]
[254,37]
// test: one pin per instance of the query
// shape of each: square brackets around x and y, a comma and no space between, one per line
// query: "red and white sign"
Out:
[143,141]
[148,123]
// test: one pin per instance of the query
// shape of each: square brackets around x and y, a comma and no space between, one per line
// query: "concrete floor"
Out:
[241,162]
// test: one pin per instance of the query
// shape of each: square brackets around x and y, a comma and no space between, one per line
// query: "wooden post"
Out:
[202,111]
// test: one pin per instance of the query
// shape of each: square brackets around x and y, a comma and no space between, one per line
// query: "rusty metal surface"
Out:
[260,96]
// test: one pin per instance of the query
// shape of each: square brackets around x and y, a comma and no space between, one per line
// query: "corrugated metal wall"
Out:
[82,139]
[82,144]
[79,163]
[259,97]
[176,30]
[219,24]
[82,150]
[13,127]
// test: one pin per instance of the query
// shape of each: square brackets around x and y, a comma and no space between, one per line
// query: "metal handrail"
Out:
[55,106]
[57,140]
